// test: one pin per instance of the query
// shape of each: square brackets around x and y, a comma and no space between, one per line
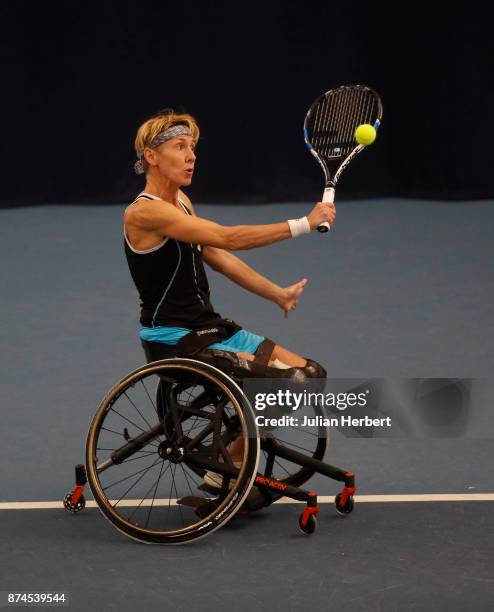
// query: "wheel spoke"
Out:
[155,489]
[142,416]
[279,465]
[129,421]
[118,433]
[145,496]
[137,458]
[131,475]
[176,494]
[147,393]
[307,450]
[135,483]
[187,479]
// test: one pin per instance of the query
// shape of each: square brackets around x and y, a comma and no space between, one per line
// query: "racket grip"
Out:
[327,196]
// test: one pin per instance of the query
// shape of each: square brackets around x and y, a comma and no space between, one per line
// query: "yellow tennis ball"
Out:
[365,134]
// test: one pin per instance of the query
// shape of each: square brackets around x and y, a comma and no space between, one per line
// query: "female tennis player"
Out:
[166,244]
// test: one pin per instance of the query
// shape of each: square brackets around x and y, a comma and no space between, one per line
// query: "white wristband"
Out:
[299,226]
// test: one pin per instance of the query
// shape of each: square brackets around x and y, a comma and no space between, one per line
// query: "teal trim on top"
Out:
[170,283]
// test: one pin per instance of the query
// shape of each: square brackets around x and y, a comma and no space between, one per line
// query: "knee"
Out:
[312,374]
[314,369]
[239,367]
[299,374]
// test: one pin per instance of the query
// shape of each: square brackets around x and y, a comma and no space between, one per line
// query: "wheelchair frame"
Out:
[241,488]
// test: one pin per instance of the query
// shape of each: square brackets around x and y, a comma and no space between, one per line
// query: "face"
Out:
[174,159]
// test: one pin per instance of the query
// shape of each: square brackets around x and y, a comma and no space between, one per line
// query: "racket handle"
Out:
[327,196]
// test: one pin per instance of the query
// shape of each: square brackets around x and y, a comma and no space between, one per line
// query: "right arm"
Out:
[166,220]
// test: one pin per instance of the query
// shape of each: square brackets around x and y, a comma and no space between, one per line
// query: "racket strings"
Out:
[336,117]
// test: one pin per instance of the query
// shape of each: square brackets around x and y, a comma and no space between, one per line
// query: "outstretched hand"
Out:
[289,296]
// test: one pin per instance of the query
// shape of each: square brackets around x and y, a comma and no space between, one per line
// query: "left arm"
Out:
[242,274]
[239,272]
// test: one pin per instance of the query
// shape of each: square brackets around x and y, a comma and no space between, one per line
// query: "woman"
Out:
[166,244]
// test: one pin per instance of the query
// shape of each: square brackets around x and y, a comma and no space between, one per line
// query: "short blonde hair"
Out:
[159,123]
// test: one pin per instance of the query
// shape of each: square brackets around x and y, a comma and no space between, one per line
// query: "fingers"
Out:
[322,212]
[299,285]
[328,210]
[291,295]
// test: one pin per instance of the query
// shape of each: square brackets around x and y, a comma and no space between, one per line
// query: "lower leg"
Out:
[279,353]
[287,357]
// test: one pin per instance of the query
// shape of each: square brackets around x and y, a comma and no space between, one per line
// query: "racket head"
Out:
[331,121]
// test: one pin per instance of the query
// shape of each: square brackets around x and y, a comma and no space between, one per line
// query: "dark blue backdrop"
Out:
[78,78]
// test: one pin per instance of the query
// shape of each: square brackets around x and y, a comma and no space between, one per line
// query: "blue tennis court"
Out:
[382,300]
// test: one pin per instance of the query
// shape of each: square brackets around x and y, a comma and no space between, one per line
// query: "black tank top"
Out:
[171,281]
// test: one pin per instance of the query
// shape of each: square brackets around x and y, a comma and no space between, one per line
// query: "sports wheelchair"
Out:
[165,427]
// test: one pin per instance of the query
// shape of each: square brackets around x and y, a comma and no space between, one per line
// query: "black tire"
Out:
[310,526]
[74,508]
[204,411]
[347,508]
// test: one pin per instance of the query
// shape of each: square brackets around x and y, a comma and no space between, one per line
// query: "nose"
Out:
[191,156]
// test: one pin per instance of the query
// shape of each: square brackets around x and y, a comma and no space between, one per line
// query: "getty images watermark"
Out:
[295,401]
[369,408]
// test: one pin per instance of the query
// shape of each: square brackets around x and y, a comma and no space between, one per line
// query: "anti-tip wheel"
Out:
[310,526]
[74,508]
[345,509]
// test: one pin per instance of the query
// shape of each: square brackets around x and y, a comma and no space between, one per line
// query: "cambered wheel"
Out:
[147,451]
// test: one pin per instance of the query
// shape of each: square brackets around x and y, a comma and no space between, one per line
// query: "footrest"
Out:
[202,506]
[254,501]
[191,501]
[209,489]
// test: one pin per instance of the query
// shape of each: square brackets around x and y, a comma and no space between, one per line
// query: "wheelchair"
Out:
[162,429]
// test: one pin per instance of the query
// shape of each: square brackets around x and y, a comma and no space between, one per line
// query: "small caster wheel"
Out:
[347,508]
[74,508]
[310,526]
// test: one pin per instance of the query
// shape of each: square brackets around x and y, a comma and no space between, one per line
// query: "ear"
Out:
[150,156]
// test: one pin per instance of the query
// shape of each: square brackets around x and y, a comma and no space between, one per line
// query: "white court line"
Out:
[419,497]
[322,499]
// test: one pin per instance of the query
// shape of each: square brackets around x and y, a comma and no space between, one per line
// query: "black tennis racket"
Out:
[329,130]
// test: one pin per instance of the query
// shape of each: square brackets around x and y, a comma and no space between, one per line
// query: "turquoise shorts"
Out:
[243,340]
